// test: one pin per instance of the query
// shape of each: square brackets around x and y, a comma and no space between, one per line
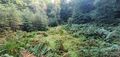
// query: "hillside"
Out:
[59,28]
[57,42]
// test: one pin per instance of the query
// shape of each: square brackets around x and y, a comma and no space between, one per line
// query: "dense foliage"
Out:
[37,14]
[59,28]
[27,14]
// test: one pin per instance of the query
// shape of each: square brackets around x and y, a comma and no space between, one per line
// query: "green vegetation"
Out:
[59,28]
[69,43]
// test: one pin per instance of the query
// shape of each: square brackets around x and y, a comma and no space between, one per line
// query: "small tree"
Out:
[10,17]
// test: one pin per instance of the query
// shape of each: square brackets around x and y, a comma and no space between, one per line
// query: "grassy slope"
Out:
[57,39]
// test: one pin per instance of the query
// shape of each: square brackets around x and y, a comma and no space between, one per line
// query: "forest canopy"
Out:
[30,15]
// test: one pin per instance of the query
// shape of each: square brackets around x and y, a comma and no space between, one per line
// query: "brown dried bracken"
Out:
[27,54]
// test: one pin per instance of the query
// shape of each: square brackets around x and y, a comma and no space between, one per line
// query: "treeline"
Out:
[31,15]
[98,11]
[27,15]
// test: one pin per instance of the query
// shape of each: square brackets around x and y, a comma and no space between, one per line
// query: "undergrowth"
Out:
[61,41]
